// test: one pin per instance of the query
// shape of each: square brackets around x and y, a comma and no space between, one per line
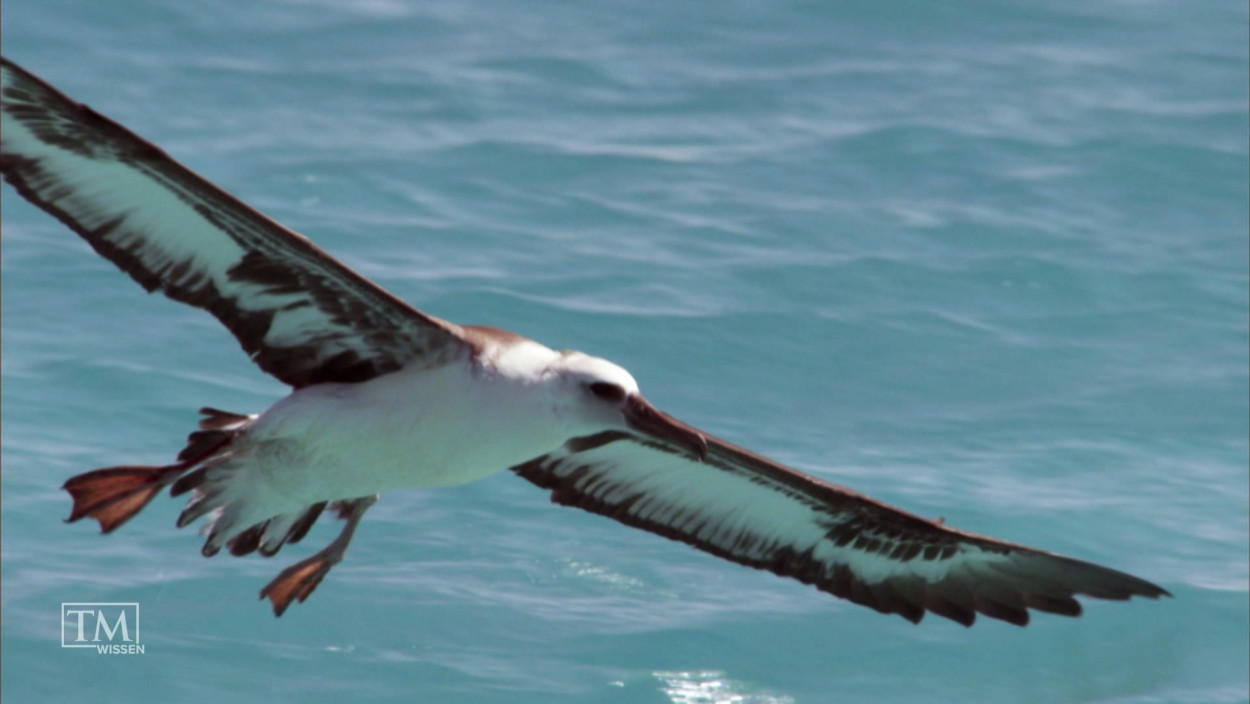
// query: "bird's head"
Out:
[599,395]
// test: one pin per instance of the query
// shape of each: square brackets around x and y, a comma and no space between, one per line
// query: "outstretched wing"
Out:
[743,507]
[303,316]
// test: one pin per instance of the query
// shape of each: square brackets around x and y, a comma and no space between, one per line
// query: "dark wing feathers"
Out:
[745,508]
[307,319]
[300,314]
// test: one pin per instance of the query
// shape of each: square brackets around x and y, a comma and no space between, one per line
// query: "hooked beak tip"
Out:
[644,417]
[700,446]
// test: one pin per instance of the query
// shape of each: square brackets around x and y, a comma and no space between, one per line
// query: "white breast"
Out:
[414,428]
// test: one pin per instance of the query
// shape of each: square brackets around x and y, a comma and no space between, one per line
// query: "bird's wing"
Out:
[746,508]
[302,315]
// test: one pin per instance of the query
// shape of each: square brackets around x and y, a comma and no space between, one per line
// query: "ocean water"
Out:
[983,260]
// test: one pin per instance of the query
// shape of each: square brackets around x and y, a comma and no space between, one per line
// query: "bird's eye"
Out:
[607,391]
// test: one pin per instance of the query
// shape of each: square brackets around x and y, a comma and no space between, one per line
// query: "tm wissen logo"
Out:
[109,628]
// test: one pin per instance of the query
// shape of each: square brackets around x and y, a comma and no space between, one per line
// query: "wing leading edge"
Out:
[743,507]
[299,313]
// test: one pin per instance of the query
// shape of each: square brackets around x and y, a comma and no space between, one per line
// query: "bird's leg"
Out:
[299,580]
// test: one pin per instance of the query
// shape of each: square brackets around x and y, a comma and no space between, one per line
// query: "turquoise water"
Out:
[984,260]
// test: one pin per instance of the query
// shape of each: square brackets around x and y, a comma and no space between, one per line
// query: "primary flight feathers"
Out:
[386,396]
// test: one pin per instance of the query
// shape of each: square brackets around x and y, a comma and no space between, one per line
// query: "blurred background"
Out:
[983,260]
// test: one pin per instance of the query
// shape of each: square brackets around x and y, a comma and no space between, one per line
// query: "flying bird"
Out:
[385,396]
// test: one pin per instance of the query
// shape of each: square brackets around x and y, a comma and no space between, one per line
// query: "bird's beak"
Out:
[642,417]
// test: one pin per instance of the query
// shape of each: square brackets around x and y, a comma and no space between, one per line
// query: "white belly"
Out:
[413,428]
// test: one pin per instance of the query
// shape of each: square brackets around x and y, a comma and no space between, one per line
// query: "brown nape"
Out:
[482,337]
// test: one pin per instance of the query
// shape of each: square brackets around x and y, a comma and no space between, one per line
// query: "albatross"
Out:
[385,396]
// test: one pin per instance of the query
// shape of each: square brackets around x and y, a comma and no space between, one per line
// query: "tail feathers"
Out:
[216,431]
[192,480]
[270,535]
[241,517]
[211,483]
[245,543]
[203,443]
[222,420]
[288,528]
[114,495]
[298,529]
[219,492]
